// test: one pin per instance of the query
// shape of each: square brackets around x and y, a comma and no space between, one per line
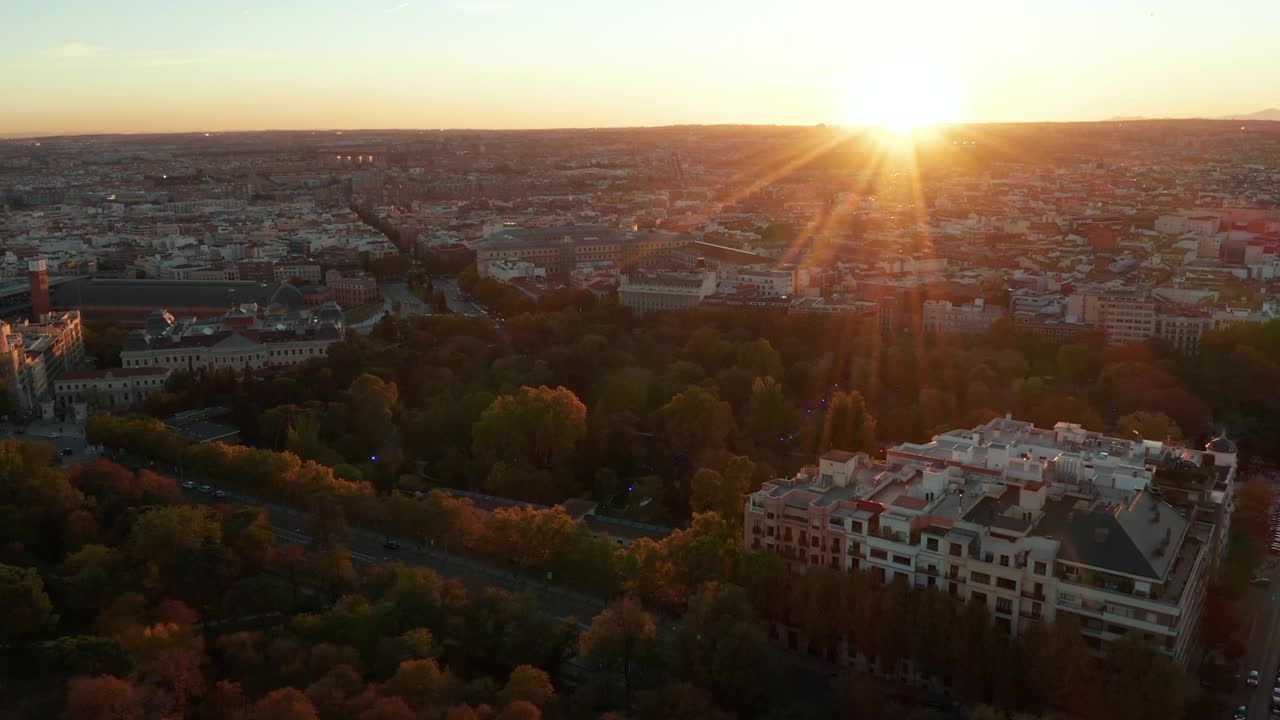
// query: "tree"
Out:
[724,648]
[769,415]
[695,421]
[1149,426]
[849,425]
[89,655]
[420,683]
[284,704]
[536,426]
[388,708]
[373,402]
[528,684]
[520,710]
[760,359]
[28,613]
[105,697]
[618,636]
[678,701]
[165,536]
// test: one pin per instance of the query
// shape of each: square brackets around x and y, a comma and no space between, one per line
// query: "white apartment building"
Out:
[761,281]
[1034,523]
[648,291]
[941,316]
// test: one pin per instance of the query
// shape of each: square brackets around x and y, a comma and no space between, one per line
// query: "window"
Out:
[835,546]
[814,541]
[980,578]
[931,543]
[1004,605]
[955,549]
[1006,584]
[1004,561]
[1041,568]
[978,597]
[902,559]
[769,531]
[1035,609]
[879,554]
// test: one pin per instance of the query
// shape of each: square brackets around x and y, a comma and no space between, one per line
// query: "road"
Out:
[453,296]
[61,435]
[1261,609]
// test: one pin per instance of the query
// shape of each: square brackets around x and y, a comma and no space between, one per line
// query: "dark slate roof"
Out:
[1121,539]
[107,292]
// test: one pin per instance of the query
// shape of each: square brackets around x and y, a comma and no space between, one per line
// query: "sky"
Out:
[70,66]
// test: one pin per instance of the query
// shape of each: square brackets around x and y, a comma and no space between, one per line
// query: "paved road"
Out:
[453,296]
[1262,618]
[61,435]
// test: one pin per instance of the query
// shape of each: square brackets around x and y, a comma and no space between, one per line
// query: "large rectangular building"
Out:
[559,250]
[1033,523]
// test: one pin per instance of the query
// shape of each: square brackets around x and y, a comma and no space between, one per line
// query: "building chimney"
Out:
[38,274]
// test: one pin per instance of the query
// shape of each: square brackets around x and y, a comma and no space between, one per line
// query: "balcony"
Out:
[1033,595]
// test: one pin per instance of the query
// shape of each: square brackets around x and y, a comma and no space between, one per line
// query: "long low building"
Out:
[1035,524]
[129,301]
[559,250]
[246,338]
[108,390]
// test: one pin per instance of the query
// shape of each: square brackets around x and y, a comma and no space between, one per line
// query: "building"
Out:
[244,338]
[1182,330]
[36,354]
[259,270]
[760,281]
[290,270]
[650,290]
[1033,523]
[127,301]
[1125,314]
[941,316]
[353,289]
[38,275]
[109,390]
[559,250]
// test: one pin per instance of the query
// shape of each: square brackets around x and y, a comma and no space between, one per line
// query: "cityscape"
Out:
[511,380]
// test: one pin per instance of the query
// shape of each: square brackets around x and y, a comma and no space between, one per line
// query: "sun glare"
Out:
[902,98]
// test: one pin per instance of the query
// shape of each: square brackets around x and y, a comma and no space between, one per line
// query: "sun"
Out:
[901,97]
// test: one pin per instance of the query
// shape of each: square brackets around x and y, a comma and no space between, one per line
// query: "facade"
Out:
[760,281]
[239,340]
[1034,523]
[559,250]
[354,290]
[1182,331]
[1124,314]
[305,270]
[109,390]
[648,291]
[36,354]
[941,316]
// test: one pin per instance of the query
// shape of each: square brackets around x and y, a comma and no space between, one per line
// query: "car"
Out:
[1263,581]
[220,494]
[1252,680]
[1242,713]
[391,545]
[206,489]
[65,452]
[189,485]
[55,435]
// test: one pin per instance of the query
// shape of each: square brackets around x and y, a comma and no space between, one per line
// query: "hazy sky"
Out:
[151,65]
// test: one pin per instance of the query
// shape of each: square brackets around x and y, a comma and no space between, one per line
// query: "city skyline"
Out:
[76,67]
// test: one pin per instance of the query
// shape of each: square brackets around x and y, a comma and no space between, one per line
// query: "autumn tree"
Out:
[618,637]
[284,704]
[1149,426]
[529,684]
[104,697]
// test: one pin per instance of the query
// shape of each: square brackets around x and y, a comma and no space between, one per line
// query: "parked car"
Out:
[220,494]
[391,545]
[65,452]
[1242,713]
[1252,680]
[206,489]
